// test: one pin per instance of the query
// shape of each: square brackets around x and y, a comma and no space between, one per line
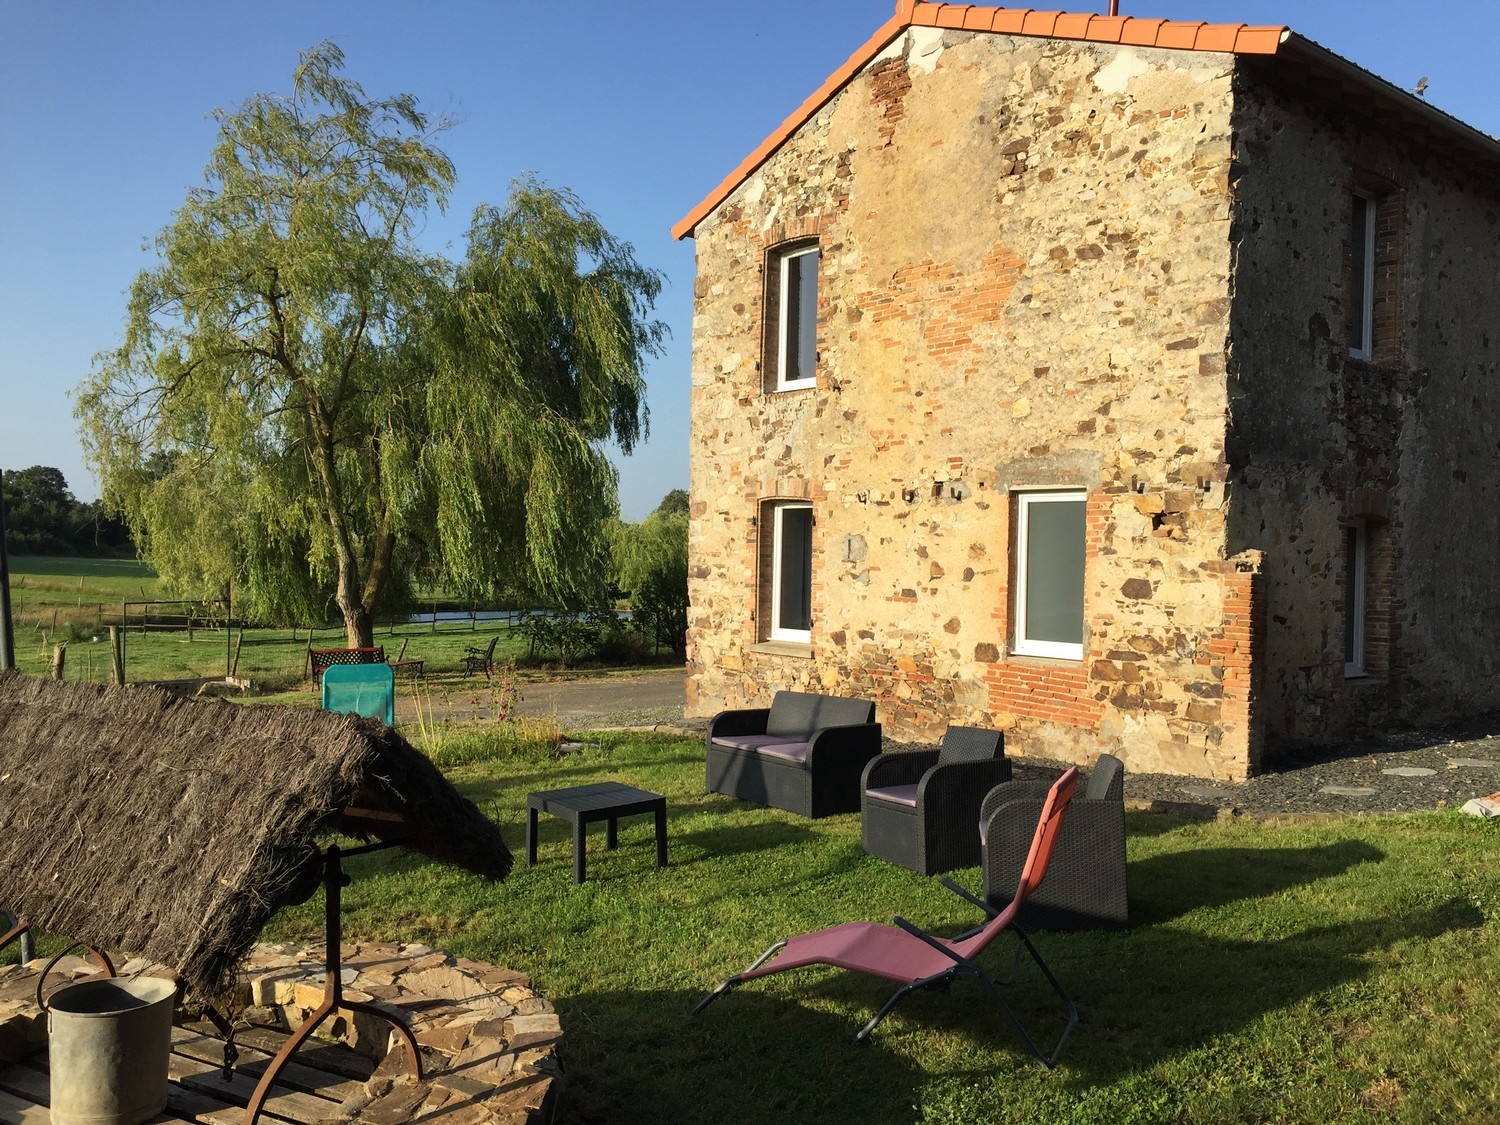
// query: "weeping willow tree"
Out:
[307,405]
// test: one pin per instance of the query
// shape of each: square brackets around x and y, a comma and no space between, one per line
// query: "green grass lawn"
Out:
[1337,970]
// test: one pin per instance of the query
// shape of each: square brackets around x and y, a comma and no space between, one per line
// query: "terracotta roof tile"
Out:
[1235,38]
[1217,37]
[1108,29]
[1010,20]
[952,15]
[1140,33]
[1040,23]
[1183,36]
[1072,25]
[1259,40]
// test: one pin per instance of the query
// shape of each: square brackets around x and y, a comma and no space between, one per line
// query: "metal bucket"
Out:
[108,1042]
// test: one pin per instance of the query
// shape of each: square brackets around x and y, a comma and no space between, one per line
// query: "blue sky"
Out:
[641,108]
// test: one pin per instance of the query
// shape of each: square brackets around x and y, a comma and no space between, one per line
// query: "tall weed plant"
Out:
[481,723]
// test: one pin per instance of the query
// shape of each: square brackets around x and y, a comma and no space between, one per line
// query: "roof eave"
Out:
[1314,56]
[888,33]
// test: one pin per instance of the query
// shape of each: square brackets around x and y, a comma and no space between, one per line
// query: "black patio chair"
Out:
[1085,887]
[921,808]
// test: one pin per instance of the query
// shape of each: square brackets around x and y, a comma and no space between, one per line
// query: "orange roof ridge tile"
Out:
[1232,38]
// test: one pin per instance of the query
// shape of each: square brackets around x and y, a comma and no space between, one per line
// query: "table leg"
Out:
[531,835]
[578,859]
[661,834]
[612,833]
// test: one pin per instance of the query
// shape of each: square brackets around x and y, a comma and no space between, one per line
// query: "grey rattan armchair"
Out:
[1085,885]
[921,808]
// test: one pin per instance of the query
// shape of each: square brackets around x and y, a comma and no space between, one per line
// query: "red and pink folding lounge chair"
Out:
[915,959]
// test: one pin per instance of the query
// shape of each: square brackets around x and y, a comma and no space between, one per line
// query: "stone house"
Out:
[1122,383]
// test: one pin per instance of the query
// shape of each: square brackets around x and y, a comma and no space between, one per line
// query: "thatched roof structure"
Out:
[132,819]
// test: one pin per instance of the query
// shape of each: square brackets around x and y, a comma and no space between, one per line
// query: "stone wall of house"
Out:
[1024,283]
[1407,442]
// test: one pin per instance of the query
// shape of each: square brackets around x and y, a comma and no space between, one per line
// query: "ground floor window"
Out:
[791,573]
[1049,574]
[1356,565]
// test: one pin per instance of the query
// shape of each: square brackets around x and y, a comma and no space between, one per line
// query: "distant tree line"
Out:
[43,517]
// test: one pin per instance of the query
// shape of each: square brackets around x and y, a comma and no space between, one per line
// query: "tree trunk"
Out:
[358,625]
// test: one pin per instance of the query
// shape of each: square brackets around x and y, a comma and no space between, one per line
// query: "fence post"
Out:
[116,657]
[59,656]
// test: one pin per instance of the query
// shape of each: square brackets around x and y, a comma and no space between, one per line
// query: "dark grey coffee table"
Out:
[582,805]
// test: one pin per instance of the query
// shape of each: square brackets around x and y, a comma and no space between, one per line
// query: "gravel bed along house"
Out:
[1401,771]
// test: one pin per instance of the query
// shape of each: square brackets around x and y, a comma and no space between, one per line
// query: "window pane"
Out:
[794,569]
[1355,559]
[1351,559]
[1359,244]
[1054,571]
[801,316]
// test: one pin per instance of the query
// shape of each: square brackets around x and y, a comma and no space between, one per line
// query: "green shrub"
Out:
[570,638]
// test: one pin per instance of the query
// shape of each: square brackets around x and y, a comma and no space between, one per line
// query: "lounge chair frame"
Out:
[961,950]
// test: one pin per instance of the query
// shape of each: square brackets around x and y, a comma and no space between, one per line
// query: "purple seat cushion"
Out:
[751,741]
[895,794]
[795,752]
[772,745]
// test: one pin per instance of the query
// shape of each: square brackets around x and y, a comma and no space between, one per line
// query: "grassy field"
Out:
[1338,970]
[72,601]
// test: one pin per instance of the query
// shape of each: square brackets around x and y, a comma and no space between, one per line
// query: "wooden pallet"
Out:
[488,1043]
[323,1077]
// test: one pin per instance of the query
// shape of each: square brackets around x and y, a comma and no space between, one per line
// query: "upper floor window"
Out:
[1362,278]
[792,303]
[1050,546]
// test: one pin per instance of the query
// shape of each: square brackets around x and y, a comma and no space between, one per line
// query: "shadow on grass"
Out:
[1156,992]
[761,1060]
[760,1055]
[711,844]
[1169,885]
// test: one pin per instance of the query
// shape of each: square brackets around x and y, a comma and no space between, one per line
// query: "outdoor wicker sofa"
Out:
[921,808]
[1085,886]
[805,753]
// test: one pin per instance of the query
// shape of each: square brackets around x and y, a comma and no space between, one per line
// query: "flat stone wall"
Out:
[1024,284]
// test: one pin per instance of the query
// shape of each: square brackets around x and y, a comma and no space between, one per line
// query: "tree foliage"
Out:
[42,517]
[309,405]
[651,564]
[674,503]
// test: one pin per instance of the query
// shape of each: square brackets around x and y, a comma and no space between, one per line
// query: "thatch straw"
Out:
[134,820]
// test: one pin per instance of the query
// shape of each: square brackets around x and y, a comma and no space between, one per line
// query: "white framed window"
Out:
[1049,574]
[1356,565]
[1362,278]
[791,573]
[796,317]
